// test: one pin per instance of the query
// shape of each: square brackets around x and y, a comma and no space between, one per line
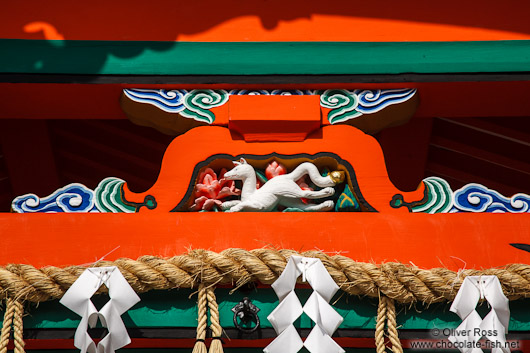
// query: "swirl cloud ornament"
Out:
[196,104]
[108,196]
[71,198]
[199,102]
[372,101]
[478,198]
[342,104]
[171,101]
[440,196]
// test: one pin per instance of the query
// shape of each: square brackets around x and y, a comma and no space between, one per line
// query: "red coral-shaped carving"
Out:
[210,190]
[274,169]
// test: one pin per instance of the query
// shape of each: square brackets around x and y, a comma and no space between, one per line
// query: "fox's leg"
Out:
[324,206]
[250,206]
[229,204]
[309,194]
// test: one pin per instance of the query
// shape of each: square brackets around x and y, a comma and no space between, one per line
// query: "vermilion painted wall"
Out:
[267,20]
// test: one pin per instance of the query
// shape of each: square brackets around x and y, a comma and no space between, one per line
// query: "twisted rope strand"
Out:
[18,327]
[200,346]
[13,317]
[392,326]
[216,346]
[6,328]
[380,326]
[386,318]
[402,283]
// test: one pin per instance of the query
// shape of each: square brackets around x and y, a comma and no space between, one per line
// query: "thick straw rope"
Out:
[403,284]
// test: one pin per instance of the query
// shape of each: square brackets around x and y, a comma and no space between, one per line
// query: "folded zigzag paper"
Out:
[122,298]
[494,326]
[317,307]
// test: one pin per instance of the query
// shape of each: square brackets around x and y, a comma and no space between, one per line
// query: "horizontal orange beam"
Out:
[445,240]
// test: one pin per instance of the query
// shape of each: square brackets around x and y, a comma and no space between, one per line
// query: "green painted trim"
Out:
[260,58]
[175,309]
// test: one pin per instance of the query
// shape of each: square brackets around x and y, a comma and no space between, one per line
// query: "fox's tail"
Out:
[314,175]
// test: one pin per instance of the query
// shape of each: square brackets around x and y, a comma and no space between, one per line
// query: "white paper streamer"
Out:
[122,298]
[494,326]
[317,307]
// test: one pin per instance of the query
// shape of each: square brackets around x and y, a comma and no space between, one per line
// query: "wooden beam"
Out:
[101,101]
[406,149]
[444,240]
[481,154]
[6,192]
[135,81]
[107,57]
[470,169]
[519,136]
[458,178]
[29,156]
[60,101]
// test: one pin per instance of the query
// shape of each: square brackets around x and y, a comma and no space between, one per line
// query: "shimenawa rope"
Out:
[402,283]
[392,282]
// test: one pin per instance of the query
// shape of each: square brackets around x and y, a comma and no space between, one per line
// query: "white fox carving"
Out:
[280,190]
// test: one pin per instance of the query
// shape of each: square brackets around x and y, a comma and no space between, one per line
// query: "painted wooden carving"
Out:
[204,179]
[439,198]
[157,108]
[365,173]
[211,191]
[105,198]
[281,190]
[176,111]
[321,173]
